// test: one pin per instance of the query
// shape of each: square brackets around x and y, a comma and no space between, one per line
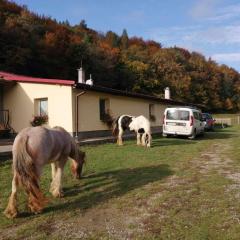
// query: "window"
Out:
[174,114]
[152,112]
[103,108]
[151,109]
[196,115]
[184,115]
[41,107]
[206,116]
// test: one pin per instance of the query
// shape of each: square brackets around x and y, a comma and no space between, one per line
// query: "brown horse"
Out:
[32,149]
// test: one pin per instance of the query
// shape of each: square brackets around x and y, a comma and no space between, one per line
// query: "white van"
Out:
[184,121]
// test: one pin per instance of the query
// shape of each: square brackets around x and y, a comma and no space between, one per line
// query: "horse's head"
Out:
[78,159]
[77,164]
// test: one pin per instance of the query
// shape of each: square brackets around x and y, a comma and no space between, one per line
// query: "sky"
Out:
[210,27]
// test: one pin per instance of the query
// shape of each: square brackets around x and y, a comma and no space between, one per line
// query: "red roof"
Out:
[20,78]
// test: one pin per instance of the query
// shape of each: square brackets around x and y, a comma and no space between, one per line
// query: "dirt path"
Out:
[217,160]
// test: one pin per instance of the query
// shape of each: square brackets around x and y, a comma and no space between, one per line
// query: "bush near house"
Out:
[107,119]
[39,120]
[152,118]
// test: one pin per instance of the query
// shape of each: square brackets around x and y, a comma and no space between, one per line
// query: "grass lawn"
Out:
[178,189]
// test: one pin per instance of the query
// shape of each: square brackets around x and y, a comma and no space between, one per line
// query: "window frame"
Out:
[104,104]
[178,115]
[196,115]
[151,112]
[38,106]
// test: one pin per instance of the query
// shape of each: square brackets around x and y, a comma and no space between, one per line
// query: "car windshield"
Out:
[175,114]
[206,116]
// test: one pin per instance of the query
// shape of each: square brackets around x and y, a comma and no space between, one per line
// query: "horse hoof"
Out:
[35,209]
[37,212]
[10,213]
[58,194]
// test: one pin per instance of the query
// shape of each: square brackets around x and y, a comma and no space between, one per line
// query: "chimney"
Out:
[167,93]
[90,81]
[81,75]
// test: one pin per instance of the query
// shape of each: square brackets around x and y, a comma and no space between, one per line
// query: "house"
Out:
[76,106]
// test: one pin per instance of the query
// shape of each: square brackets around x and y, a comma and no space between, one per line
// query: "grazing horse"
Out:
[140,125]
[32,149]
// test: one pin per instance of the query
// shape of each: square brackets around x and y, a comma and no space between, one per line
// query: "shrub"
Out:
[152,118]
[39,120]
[107,119]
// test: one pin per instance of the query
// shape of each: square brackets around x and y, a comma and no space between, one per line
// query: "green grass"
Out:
[137,184]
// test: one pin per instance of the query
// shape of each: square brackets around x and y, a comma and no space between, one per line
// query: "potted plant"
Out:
[152,118]
[39,120]
[107,118]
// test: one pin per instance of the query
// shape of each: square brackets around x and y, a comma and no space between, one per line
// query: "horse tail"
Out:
[115,129]
[26,173]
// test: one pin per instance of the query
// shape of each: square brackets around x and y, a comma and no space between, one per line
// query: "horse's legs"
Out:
[36,199]
[57,191]
[149,140]
[144,139]
[138,138]
[54,170]
[120,143]
[11,209]
[56,186]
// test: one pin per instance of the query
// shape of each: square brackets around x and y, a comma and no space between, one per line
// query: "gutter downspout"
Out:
[76,114]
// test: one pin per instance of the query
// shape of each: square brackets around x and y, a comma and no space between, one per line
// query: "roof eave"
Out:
[127,94]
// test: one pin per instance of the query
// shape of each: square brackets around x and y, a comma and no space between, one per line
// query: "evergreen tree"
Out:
[124,39]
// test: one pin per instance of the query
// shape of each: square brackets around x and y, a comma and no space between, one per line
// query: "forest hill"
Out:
[42,47]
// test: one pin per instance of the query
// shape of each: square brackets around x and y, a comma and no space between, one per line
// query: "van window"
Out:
[175,114]
[196,115]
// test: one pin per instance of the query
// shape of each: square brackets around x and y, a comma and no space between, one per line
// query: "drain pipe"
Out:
[76,114]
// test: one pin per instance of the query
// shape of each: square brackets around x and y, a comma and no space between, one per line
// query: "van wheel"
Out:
[193,136]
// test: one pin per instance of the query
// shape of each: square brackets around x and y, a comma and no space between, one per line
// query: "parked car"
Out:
[208,121]
[183,121]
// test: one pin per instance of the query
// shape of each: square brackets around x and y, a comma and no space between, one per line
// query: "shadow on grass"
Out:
[171,141]
[216,135]
[220,129]
[100,187]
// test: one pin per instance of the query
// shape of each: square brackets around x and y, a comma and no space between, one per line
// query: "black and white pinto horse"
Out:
[140,125]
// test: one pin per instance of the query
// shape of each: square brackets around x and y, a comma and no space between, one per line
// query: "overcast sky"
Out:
[211,27]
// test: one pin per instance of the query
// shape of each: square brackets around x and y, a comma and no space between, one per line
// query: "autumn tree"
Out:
[40,46]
